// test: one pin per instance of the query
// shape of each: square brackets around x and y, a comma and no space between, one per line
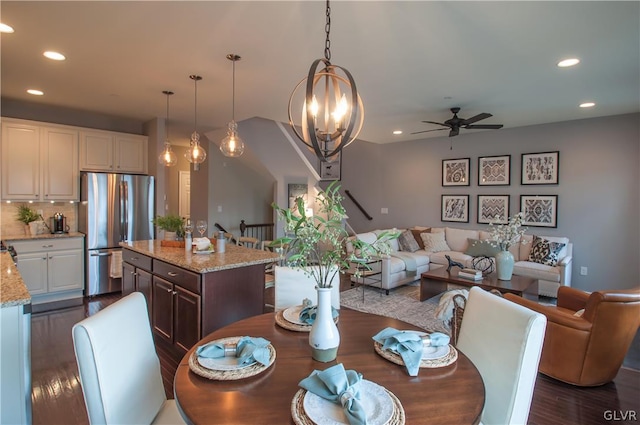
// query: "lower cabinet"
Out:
[175,313]
[136,279]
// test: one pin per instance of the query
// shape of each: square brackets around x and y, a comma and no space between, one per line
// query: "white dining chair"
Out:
[119,368]
[292,285]
[504,341]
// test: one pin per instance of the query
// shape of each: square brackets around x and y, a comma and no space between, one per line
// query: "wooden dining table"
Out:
[451,394]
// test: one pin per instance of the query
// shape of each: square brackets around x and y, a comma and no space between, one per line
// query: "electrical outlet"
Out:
[583,271]
[219,208]
[384,210]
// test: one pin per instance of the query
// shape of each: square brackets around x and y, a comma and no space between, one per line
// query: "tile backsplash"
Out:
[9,226]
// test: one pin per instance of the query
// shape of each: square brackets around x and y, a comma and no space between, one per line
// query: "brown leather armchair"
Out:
[587,350]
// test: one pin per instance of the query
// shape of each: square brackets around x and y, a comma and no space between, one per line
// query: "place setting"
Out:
[415,349]
[336,396]
[232,358]
[299,318]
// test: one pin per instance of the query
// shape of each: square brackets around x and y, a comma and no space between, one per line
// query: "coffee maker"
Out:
[59,223]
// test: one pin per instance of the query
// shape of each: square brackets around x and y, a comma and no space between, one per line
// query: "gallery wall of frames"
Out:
[537,169]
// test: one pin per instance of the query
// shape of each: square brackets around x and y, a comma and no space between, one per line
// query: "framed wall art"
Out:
[493,209]
[297,191]
[539,210]
[331,170]
[455,208]
[455,172]
[540,168]
[494,170]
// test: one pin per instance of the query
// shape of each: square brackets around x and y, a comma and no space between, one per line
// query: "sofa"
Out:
[404,264]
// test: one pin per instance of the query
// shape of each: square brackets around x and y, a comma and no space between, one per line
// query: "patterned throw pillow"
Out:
[434,242]
[544,251]
[407,242]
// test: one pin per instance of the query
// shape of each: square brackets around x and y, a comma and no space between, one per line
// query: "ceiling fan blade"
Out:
[477,118]
[454,132]
[437,123]
[485,126]
[426,131]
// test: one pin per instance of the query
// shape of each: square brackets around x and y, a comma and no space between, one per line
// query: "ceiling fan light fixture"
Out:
[332,110]
[195,154]
[232,145]
[167,157]
[565,63]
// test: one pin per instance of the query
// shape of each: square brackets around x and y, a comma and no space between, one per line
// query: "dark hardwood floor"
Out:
[57,396]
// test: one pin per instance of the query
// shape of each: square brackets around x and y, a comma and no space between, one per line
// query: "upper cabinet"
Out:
[39,161]
[113,152]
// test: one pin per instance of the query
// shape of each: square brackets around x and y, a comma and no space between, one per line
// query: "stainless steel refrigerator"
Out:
[113,208]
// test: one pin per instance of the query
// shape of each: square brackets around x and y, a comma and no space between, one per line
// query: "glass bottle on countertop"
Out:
[220,242]
[188,239]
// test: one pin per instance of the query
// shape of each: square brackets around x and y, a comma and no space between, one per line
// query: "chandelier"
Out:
[167,157]
[332,110]
[232,145]
[195,154]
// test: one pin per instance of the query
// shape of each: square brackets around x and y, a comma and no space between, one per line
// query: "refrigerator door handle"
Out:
[126,211]
[100,254]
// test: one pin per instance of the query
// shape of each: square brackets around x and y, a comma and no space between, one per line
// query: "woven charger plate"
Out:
[424,363]
[300,416]
[230,375]
[284,323]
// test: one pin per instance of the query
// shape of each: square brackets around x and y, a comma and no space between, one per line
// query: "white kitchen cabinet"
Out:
[39,162]
[52,269]
[113,152]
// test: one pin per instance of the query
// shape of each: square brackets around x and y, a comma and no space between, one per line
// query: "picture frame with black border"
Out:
[493,209]
[455,208]
[494,170]
[331,170]
[540,168]
[539,210]
[297,190]
[455,172]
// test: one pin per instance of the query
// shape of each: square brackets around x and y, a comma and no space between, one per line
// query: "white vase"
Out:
[504,265]
[34,228]
[324,337]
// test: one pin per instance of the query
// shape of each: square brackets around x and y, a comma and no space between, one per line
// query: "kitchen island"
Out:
[191,295]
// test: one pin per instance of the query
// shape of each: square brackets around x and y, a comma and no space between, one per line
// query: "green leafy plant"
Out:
[170,223]
[319,239]
[26,214]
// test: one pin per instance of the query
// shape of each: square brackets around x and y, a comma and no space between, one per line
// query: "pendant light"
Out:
[232,145]
[167,158]
[195,154]
[332,112]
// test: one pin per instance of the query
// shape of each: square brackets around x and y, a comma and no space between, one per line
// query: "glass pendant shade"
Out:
[232,145]
[195,154]
[168,157]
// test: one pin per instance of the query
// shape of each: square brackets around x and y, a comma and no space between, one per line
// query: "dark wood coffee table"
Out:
[437,281]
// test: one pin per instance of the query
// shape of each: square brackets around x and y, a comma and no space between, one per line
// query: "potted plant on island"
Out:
[27,216]
[173,226]
[317,246]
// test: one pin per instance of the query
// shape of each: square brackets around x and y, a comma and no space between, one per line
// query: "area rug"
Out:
[402,303]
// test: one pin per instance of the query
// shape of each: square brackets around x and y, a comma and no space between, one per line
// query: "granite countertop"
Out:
[233,257]
[42,236]
[13,291]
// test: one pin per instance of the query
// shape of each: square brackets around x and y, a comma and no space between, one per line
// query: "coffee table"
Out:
[438,280]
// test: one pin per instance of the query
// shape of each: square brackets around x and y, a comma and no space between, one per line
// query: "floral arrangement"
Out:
[319,239]
[504,236]
[26,214]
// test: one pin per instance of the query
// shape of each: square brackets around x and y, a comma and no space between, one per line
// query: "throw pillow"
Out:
[545,252]
[479,248]
[407,242]
[416,234]
[434,242]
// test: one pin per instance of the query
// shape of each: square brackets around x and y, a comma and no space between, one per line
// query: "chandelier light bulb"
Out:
[168,158]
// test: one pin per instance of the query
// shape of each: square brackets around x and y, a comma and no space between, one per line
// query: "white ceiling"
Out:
[412,61]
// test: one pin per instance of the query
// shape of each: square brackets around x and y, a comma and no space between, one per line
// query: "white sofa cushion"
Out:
[434,242]
[537,271]
[457,238]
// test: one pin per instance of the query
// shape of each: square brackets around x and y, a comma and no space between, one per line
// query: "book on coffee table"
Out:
[465,275]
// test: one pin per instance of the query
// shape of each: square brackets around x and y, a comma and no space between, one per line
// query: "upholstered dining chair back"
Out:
[504,341]
[248,241]
[292,285]
[119,368]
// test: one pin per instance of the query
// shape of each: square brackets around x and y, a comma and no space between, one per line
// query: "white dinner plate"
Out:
[377,404]
[222,363]
[292,314]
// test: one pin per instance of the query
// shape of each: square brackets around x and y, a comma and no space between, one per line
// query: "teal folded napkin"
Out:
[406,343]
[248,350]
[339,386]
[438,339]
[309,312]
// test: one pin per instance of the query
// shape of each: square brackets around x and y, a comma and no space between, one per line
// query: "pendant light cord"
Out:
[233,92]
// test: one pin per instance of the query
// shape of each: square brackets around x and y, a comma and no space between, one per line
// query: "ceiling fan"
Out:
[455,123]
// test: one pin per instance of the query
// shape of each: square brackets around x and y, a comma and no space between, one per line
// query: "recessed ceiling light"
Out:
[35,92]
[587,105]
[568,62]
[6,28]
[54,55]
[397,132]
